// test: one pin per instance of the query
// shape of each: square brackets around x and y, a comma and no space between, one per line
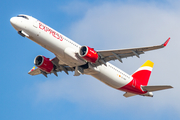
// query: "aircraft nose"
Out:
[13,21]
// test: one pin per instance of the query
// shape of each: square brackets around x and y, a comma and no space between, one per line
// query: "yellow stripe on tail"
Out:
[148,63]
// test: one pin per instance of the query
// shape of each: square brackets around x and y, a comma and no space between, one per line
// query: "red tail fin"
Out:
[143,73]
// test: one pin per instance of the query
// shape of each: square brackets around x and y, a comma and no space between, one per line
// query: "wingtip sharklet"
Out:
[165,44]
[32,69]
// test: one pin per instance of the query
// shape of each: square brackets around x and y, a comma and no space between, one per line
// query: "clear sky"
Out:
[106,24]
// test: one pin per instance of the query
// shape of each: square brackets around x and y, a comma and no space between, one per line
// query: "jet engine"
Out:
[43,63]
[89,54]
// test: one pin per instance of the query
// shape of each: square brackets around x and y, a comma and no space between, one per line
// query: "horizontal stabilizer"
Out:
[156,88]
[127,94]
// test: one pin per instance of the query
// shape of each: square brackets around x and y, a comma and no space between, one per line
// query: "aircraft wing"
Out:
[59,68]
[107,55]
[34,71]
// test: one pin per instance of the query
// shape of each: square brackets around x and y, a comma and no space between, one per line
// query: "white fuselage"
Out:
[66,50]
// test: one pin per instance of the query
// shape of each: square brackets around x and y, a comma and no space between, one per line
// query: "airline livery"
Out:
[71,56]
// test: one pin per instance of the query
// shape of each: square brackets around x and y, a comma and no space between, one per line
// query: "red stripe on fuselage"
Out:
[133,87]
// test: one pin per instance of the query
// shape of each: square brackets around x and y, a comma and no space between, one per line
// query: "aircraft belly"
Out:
[71,57]
[109,77]
[60,49]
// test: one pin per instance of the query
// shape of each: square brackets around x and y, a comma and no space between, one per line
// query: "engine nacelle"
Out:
[89,54]
[43,63]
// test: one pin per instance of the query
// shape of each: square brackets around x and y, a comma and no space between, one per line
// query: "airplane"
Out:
[71,56]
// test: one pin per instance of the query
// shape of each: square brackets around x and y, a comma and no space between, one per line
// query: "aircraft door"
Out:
[134,83]
[35,25]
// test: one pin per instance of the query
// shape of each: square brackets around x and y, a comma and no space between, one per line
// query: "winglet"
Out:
[166,42]
[32,69]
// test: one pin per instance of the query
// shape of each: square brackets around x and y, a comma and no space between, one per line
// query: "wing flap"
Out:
[156,88]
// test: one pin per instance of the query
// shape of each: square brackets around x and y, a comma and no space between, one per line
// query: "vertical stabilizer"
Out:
[143,73]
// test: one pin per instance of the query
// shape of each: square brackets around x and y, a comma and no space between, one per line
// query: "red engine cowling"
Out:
[89,54]
[43,63]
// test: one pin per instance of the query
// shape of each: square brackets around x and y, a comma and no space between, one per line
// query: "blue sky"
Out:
[106,24]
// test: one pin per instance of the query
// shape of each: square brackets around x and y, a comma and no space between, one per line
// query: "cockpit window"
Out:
[23,16]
